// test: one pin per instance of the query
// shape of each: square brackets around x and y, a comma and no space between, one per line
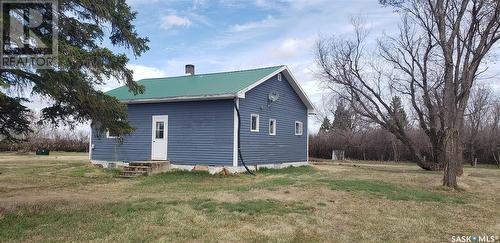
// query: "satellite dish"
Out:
[274,96]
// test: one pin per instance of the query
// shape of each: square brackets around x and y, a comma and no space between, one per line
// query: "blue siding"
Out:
[260,147]
[199,132]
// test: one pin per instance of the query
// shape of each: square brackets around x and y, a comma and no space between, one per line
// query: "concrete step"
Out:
[132,174]
[138,168]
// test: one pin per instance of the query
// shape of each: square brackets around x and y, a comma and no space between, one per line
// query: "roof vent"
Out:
[190,69]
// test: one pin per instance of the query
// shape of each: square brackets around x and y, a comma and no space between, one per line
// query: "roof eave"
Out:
[180,98]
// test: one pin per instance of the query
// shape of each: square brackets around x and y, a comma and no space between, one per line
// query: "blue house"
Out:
[202,119]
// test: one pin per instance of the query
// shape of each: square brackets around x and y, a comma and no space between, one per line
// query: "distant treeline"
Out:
[378,144]
[51,138]
[363,140]
[52,144]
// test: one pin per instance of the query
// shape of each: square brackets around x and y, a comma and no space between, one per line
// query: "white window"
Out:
[160,130]
[299,128]
[111,134]
[254,123]
[279,77]
[272,127]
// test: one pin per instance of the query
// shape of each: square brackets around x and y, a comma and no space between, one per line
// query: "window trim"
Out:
[156,129]
[257,122]
[301,130]
[108,136]
[274,127]
[280,77]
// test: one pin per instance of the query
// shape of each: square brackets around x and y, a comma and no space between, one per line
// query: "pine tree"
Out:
[325,126]
[342,120]
[14,116]
[83,64]
[398,113]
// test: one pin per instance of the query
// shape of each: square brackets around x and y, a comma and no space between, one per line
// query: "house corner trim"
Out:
[235,132]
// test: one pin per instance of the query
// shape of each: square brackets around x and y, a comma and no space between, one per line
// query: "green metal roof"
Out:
[195,85]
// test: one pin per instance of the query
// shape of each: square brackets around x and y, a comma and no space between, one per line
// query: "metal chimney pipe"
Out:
[190,69]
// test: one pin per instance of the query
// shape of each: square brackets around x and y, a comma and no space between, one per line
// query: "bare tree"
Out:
[464,31]
[437,57]
[417,75]
[325,110]
[348,71]
[476,118]
[494,132]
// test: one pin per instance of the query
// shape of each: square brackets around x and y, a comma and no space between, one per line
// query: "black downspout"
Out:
[239,144]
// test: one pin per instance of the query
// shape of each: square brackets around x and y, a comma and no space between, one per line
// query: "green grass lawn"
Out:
[63,198]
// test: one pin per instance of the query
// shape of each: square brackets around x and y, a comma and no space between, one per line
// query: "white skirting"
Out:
[211,169]
[240,169]
[108,164]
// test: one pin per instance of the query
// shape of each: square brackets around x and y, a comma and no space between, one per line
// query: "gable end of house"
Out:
[291,80]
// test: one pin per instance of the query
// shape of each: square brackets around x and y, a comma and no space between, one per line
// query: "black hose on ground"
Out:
[239,144]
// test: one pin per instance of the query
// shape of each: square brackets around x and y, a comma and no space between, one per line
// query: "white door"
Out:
[159,138]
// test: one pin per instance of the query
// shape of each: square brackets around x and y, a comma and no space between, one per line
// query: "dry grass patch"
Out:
[63,198]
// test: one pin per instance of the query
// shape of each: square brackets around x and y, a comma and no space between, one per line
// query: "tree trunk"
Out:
[452,145]
[496,157]
[453,159]
[395,151]
[473,158]
[438,148]
[421,162]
